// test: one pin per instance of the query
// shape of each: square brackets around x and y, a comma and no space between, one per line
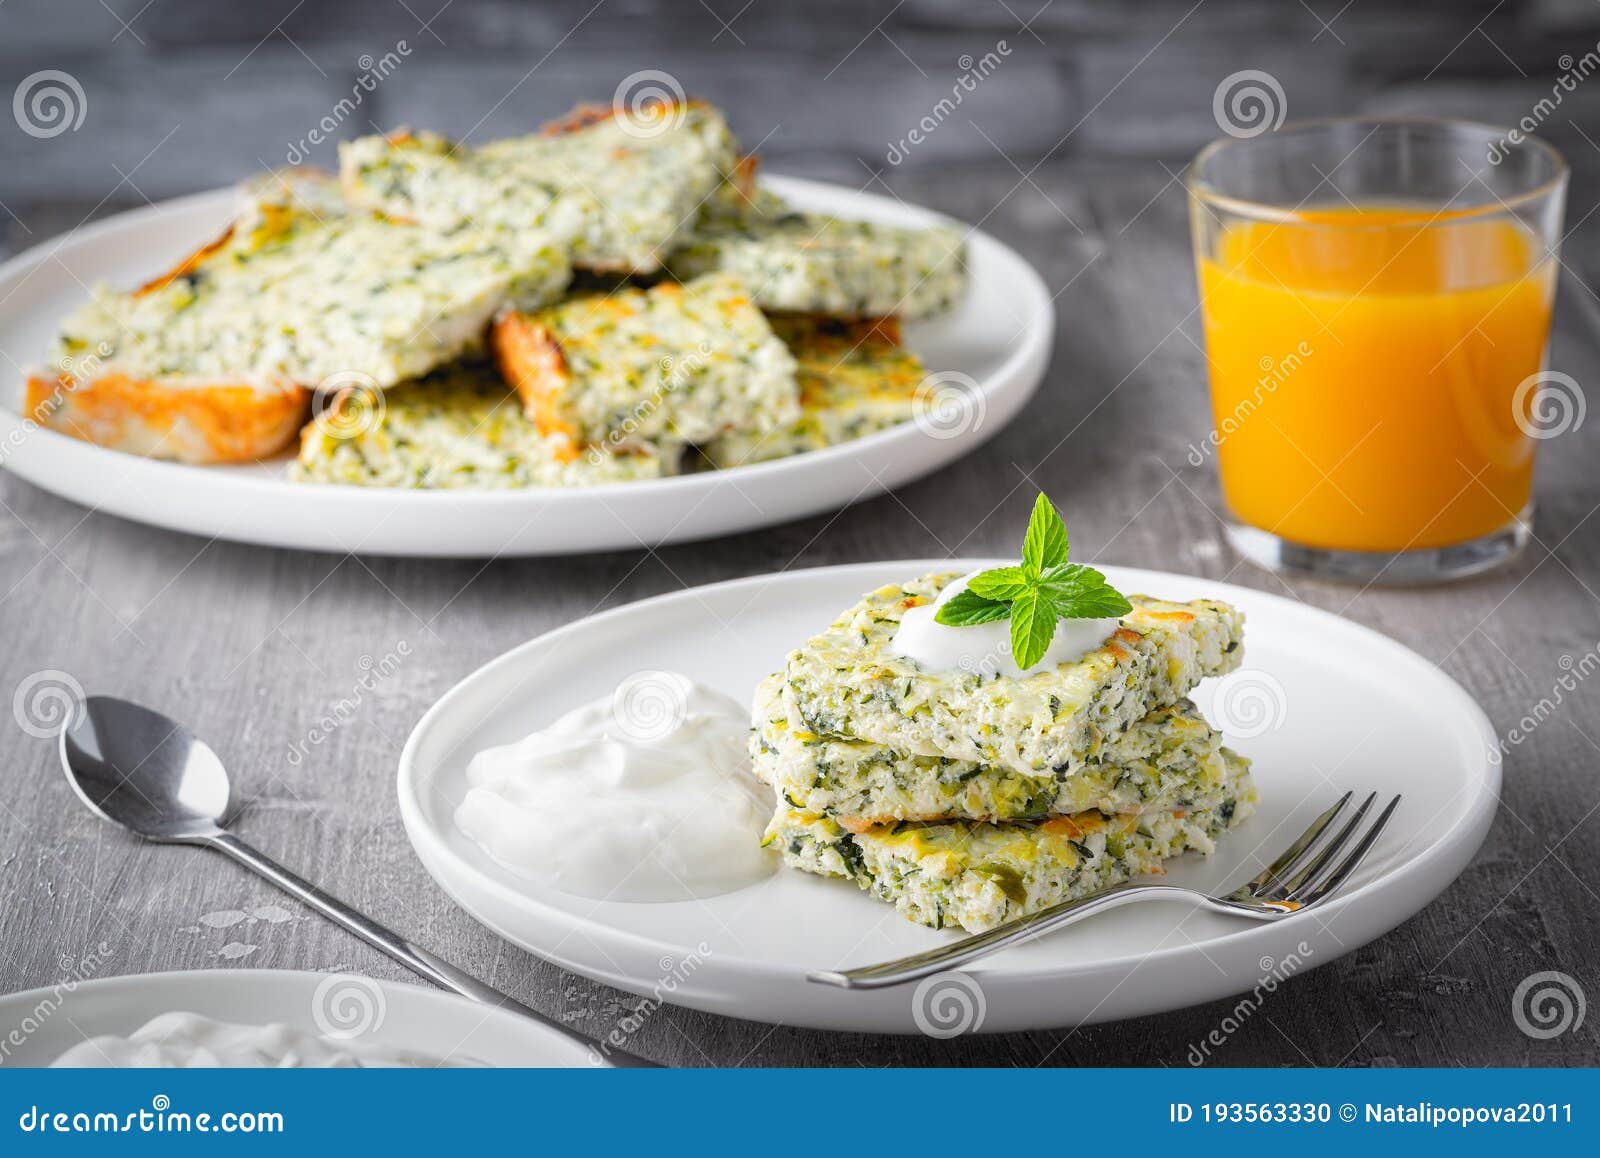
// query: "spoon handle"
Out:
[413,957]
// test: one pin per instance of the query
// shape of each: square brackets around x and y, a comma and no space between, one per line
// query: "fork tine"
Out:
[1297,851]
[1337,877]
[1286,890]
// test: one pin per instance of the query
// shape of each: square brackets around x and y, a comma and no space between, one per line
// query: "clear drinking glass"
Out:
[1376,298]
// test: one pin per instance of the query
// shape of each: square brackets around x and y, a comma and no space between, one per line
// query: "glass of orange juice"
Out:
[1376,299]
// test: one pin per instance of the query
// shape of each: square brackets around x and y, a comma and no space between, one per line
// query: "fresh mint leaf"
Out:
[1079,592]
[1106,603]
[1003,583]
[1037,595]
[1045,544]
[965,609]
[1068,580]
[1033,625]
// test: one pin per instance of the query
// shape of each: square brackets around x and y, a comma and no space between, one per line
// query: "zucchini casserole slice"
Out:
[847,682]
[620,187]
[855,379]
[977,876]
[673,363]
[1171,755]
[814,263]
[215,360]
[461,427]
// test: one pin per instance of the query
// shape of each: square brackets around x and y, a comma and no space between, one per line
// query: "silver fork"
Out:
[1303,876]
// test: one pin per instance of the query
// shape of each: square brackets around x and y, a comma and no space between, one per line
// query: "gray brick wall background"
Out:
[181,95]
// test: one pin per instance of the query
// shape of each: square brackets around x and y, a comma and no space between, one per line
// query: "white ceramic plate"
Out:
[426,1021]
[1323,705]
[1000,338]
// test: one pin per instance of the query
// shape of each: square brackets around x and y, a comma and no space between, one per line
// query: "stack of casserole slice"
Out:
[970,798]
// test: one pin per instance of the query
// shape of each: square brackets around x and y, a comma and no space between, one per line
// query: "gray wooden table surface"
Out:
[253,646]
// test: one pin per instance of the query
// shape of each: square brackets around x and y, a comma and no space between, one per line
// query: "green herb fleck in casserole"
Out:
[676,363]
[1171,754]
[812,263]
[847,682]
[977,876]
[300,292]
[619,189]
[459,428]
[853,382]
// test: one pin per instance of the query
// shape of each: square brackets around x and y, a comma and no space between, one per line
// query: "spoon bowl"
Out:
[151,775]
[138,768]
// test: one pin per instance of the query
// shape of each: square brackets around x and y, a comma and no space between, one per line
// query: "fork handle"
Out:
[1002,936]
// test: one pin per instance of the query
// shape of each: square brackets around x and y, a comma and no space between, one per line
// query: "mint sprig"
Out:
[1038,594]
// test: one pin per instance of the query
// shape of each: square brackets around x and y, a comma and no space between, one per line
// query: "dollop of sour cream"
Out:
[181,1040]
[985,648]
[642,795]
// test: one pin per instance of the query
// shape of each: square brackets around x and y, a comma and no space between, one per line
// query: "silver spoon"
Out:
[147,773]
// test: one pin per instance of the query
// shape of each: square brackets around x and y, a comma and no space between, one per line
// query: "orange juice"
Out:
[1363,367]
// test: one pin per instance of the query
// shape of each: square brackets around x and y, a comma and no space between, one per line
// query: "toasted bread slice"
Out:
[673,363]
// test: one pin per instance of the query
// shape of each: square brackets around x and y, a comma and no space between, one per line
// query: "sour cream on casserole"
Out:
[642,795]
[985,648]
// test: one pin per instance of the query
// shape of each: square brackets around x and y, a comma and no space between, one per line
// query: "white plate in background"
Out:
[1322,705]
[52,1020]
[1000,337]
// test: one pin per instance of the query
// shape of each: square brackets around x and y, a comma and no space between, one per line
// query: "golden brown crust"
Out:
[186,266]
[577,118]
[194,424]
[743,177]
[1082,824]
[586,115]
[530,359]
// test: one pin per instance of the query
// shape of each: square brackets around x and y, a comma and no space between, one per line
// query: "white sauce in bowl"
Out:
[190,1041]
[985,648]
[642,795]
